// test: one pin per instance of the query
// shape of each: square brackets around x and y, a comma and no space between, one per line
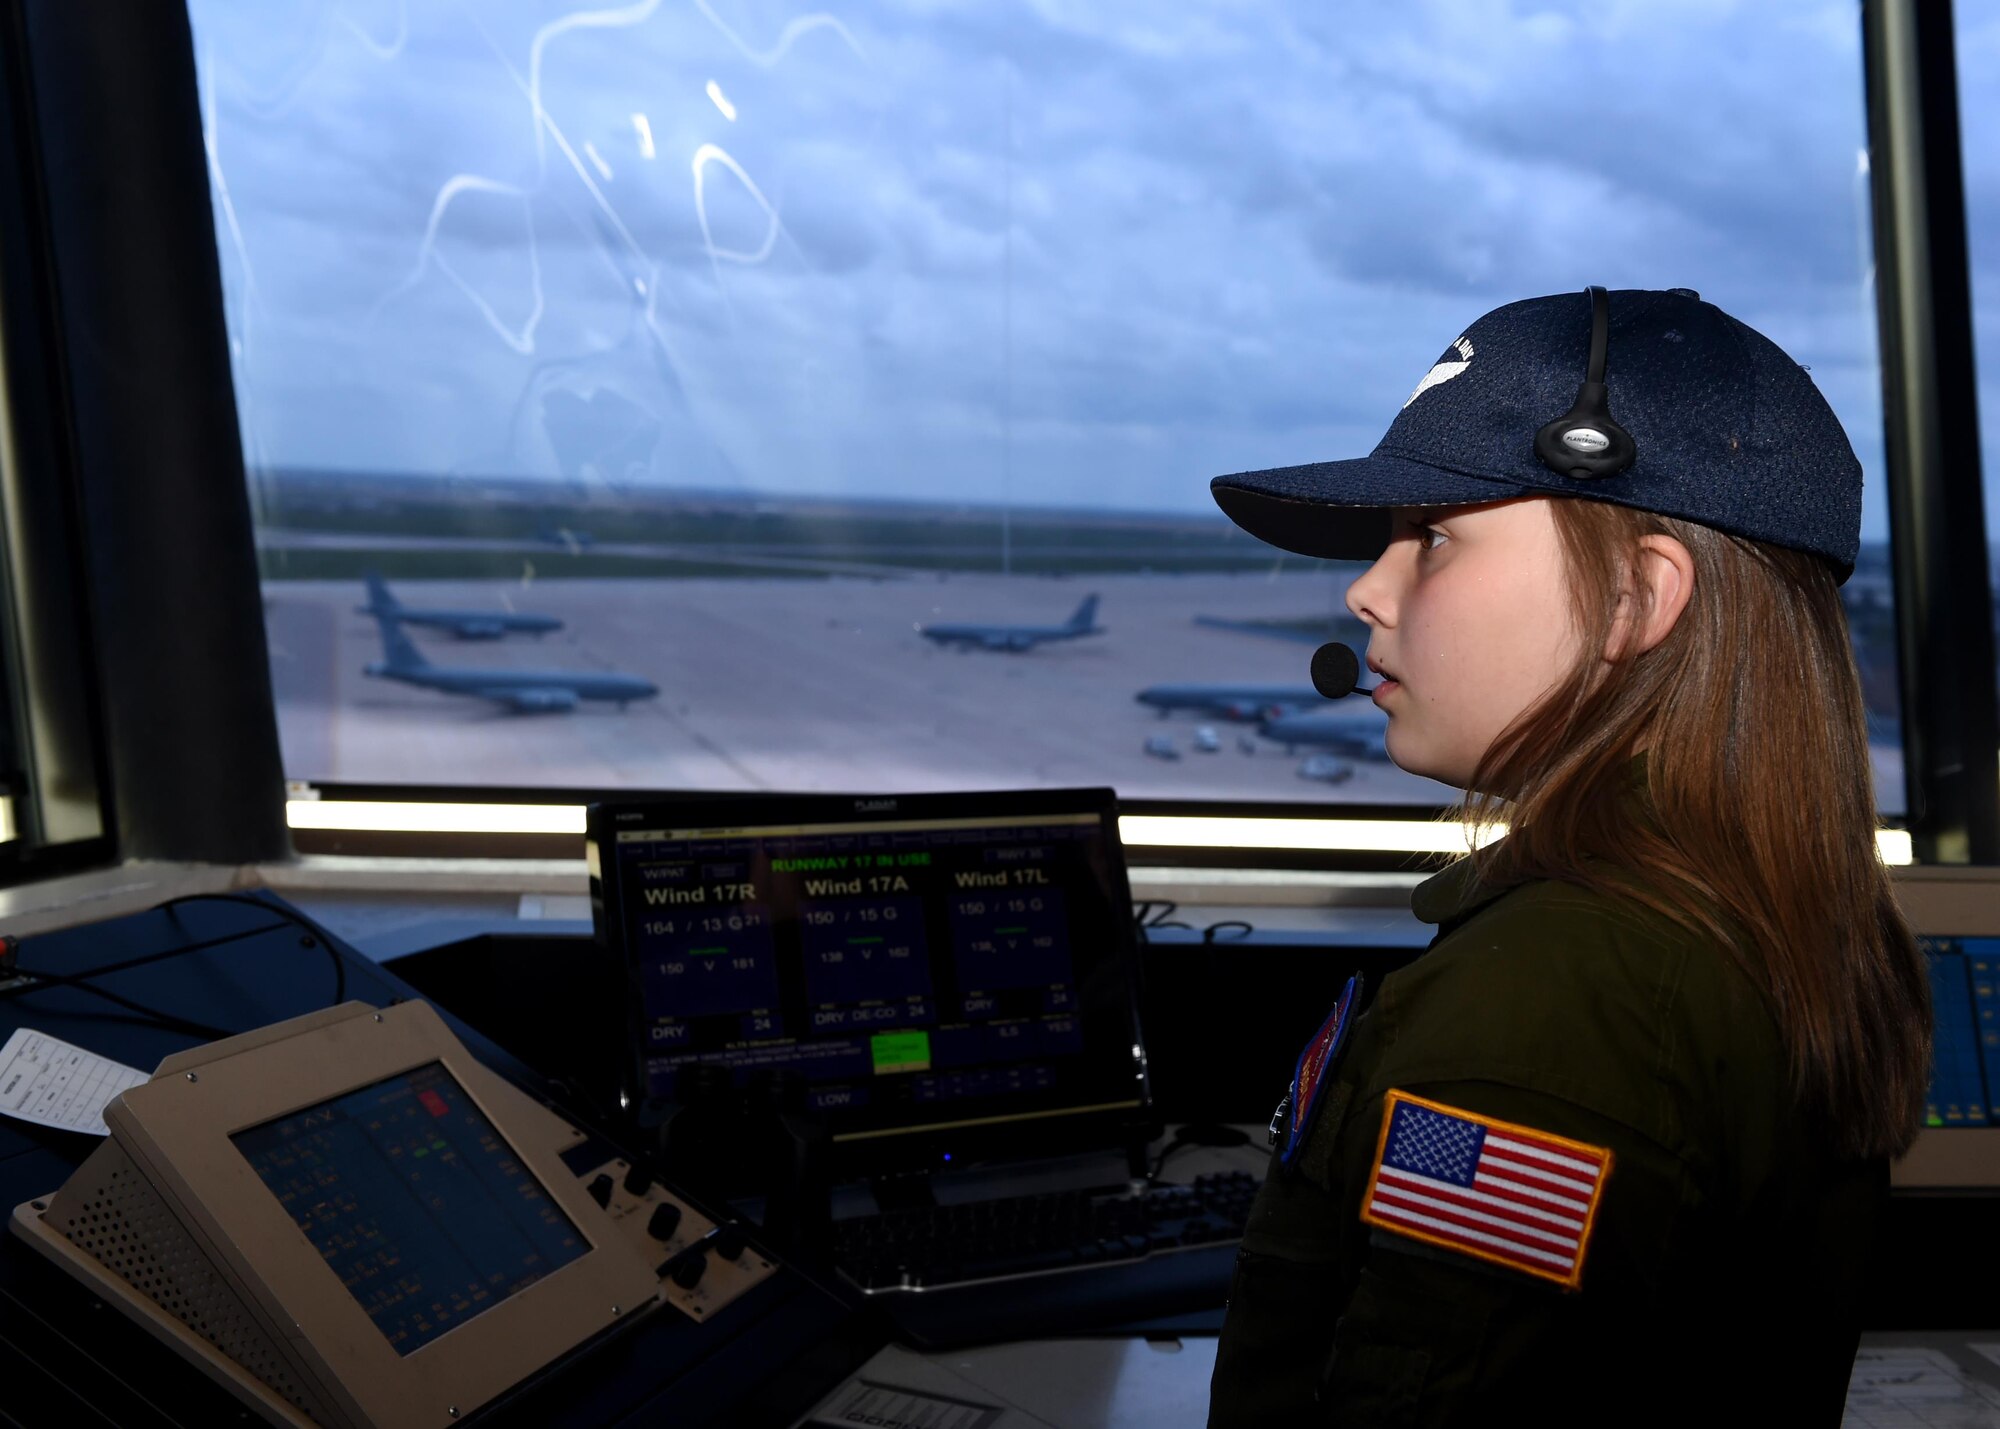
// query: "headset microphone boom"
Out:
[1336,670]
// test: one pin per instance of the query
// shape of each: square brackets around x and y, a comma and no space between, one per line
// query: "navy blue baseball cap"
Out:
[1728,431]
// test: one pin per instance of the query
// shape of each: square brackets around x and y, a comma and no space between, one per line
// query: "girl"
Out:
[1615,1148]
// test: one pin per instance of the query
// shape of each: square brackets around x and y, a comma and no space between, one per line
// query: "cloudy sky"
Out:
[1079,252]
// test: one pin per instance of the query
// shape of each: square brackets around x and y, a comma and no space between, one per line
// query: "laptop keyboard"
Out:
[1040,1234]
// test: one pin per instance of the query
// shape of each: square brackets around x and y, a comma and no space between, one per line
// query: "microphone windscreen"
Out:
[1335,670]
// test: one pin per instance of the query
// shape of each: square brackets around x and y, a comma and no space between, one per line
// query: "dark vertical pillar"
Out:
[1944,601]
[171,564]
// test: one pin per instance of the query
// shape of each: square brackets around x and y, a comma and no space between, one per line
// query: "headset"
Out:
[1584,442]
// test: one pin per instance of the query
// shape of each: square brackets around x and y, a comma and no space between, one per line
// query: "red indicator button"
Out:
[433,1103]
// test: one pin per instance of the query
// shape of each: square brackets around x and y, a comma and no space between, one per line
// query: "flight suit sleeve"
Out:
[1434,1336]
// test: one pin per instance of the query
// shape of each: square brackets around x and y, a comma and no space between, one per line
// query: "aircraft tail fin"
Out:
[380,601]
[1086,614]
[399,652]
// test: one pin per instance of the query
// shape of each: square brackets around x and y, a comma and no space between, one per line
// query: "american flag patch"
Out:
[1490,1189]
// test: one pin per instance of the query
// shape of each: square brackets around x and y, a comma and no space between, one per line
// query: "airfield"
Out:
[815,684]
[824,684]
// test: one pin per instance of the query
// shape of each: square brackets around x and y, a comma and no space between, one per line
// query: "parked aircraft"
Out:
[522,691]
[1327,768]
[1016,638]
[465,624]
[1338,734]
[1238,702]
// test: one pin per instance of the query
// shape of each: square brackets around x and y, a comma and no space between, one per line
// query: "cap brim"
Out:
[1339,510]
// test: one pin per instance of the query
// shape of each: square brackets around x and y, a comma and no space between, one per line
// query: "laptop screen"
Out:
[928,966]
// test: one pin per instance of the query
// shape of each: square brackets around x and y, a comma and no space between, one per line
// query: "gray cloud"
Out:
[1142,243]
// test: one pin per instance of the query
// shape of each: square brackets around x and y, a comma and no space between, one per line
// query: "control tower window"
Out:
[848,379]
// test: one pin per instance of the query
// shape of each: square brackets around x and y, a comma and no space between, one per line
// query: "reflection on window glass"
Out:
[1976,38]
[752,395]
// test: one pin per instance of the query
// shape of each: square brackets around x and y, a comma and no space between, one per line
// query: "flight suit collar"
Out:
[1450,897]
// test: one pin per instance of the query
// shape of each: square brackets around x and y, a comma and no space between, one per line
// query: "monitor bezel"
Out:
[179,1127]
[1126,1127]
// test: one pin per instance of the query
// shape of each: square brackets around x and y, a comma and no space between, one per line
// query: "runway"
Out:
[813,685]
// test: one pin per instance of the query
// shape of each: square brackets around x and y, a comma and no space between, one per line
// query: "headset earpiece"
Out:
[1585,442]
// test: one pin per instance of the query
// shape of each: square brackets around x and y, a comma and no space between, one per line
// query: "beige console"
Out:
[346,1220]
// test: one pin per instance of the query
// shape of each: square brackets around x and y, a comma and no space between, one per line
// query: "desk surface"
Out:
[259,975]
[1929,1381]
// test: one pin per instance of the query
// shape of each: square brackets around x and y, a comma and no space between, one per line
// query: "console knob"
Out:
[728,1242]
[638,1181]
[688,1273]
[600,1188]
[666,1219]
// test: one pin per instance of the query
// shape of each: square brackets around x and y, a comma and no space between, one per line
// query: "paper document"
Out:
[45,1080]
[896,1408]
[1917,1387]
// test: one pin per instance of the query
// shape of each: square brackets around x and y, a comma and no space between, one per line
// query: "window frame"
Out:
[53,693]
[1951,726]
[152,611]
[1930,416]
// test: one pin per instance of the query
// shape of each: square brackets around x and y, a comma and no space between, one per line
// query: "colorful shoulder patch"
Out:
[1295,1113]
[1502,1193]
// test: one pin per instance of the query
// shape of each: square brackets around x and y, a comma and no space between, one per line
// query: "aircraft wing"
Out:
[534,701]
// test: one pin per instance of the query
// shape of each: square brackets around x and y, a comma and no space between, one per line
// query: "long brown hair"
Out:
[1762,826]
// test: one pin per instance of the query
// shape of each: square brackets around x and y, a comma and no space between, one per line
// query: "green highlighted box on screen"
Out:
[901,1051]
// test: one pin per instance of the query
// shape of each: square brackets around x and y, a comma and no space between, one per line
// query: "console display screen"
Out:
[413,1198]
[914,975]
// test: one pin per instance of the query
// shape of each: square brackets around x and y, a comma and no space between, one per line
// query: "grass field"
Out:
[319,526]
[403,563]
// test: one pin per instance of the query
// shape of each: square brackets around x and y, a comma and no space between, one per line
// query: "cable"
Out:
[176,952]
[1173,1145]
[315,937]
[82,983]
[1155,913]
[1196,1133]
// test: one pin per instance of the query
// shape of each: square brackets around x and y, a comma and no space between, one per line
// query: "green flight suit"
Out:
[1722,1276]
